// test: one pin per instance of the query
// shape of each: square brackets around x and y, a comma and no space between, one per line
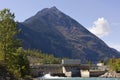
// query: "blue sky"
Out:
[102,17]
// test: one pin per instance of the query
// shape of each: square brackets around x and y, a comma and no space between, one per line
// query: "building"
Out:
[71,61]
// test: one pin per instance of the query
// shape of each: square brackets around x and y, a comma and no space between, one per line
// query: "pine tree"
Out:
[8,31]
[9,44]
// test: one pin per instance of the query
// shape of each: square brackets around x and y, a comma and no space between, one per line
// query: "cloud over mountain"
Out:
[100,27]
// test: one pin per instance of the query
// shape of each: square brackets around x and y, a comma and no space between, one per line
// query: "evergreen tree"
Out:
[23,63]
[8,31]
[10,52]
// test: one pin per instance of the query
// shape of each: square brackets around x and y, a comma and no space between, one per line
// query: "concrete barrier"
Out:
[67,73]
[85,73]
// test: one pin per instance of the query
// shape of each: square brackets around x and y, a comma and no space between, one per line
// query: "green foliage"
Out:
[8,43]
[114,64]
[10,52]
[23,63]
[7,40]
[36,56]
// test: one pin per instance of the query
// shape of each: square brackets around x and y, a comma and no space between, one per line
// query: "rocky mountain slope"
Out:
[53,32]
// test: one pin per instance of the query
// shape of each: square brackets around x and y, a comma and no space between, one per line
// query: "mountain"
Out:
[54,32]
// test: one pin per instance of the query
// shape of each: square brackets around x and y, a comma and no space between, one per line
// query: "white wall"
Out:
[85,73]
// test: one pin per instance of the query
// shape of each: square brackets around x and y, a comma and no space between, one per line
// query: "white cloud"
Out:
[115,46]
[100,27]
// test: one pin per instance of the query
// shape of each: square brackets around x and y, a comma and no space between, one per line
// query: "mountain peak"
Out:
[54,15]
[53,8]
[65,36]
[51,14]
[48,10]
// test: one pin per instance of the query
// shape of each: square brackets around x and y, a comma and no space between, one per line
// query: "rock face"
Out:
[111,74]
[55,33]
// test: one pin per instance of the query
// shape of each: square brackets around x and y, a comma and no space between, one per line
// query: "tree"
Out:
[23,63]
[10,48]
[35,56]
[8,43]
[114,64]
[8,31]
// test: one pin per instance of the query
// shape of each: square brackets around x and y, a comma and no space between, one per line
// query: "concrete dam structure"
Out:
[68,68]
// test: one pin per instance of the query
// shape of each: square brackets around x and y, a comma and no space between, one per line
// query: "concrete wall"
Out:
[85,73]
[67,73]
[71,61]
[39,70]
[68,70]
